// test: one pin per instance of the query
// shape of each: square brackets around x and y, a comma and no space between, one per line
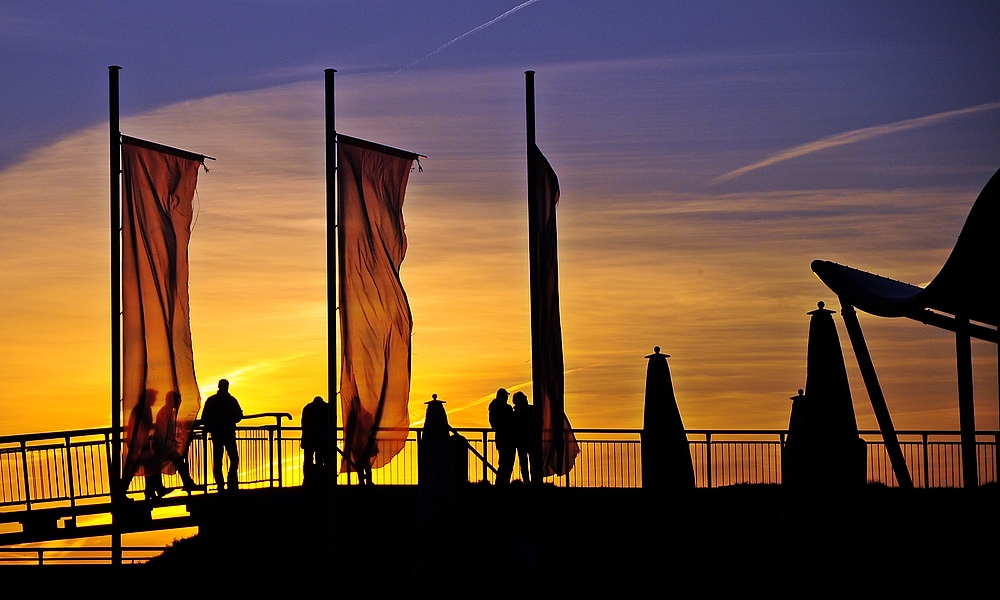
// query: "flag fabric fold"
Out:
[160,393]
[374,311]
[558,444]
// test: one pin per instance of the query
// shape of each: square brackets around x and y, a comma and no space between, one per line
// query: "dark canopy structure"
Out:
[962,298]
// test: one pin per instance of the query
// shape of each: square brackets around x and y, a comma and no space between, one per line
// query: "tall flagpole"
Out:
[332,301]
[533,282]
[114,477]
[332,265]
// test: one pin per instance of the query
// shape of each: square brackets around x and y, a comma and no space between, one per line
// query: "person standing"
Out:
[315,426]
[502,423]
[221,414]
[524,424]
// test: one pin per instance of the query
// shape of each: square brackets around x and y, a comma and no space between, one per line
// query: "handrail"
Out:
[276,415]
[99,431]
[40,470]
[468,445]
[41,435]
[36,555]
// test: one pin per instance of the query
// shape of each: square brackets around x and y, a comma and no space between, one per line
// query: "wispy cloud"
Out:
[255,369]
[470,32]
[855,136]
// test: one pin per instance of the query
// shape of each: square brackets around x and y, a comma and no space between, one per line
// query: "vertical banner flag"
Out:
[160,393]
[374,312]
[559,447]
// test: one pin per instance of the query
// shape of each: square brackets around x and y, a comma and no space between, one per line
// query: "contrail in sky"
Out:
[857,135]
[470,32]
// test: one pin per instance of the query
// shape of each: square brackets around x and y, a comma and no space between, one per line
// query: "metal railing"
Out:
[77,555]
[70,468]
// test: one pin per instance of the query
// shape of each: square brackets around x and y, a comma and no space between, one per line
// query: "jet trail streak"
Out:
[470,32]
[855,136]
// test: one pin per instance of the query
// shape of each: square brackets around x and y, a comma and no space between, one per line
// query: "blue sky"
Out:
[880,61]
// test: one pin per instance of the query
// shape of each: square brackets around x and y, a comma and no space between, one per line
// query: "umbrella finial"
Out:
[821,309]
[656,353]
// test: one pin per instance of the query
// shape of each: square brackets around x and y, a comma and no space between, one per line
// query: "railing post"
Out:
[270,455]
[708,459]
[281,463]
[781,470]
[69,474]
[24,470]
[204,459]
[927,469]
[485,457]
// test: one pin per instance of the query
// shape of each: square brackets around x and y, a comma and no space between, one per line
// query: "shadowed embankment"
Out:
[514,542]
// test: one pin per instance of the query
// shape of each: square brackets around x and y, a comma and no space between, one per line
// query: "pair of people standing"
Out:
[512,429]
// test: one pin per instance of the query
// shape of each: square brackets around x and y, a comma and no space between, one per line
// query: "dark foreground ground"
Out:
[487,542]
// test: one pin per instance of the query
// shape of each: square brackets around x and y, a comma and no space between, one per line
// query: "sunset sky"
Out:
[706,154]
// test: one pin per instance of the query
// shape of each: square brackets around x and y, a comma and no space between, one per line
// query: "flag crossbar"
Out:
[367,145]
[148,145]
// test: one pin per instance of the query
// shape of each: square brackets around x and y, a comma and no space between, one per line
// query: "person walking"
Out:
[502,423]
[221,414]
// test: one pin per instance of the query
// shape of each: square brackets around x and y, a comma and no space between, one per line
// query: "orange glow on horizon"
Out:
[720,281]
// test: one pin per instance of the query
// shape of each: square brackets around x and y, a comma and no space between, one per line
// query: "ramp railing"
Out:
[70,468]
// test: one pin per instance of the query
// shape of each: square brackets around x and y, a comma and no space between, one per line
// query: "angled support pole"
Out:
[876,396]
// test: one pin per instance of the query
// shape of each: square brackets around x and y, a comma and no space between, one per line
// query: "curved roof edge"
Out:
[966,283]
[874,294]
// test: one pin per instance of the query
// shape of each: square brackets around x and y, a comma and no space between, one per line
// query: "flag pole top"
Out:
[329,70]
[114,68]
[434,400]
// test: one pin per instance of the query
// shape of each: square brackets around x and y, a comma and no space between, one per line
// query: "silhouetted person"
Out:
[524,424]
[221,414]
[502,422]
[179,459]
[354,460]
[315,440]
[140,447]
